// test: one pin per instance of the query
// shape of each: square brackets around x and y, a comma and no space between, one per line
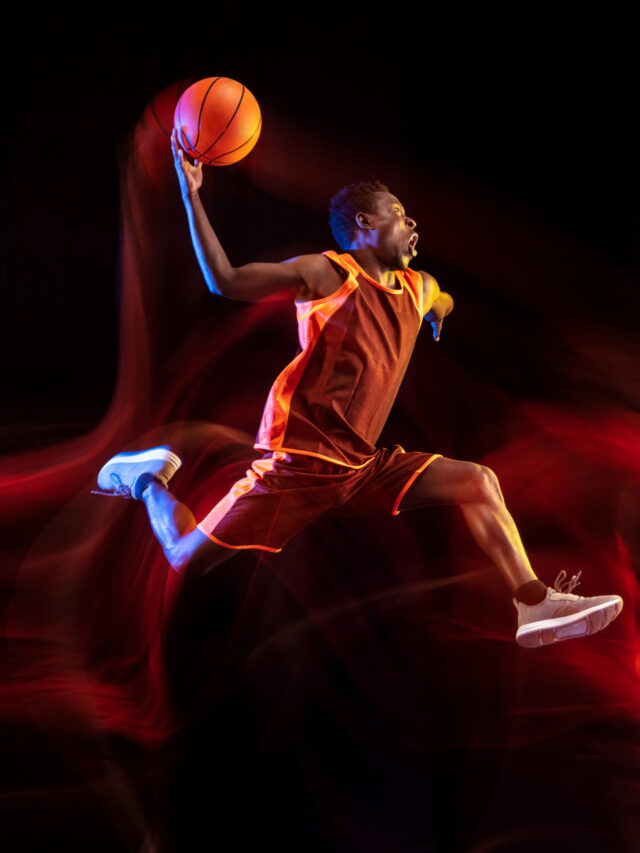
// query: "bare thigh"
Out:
[450,481]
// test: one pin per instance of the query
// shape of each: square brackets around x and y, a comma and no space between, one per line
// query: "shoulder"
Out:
[424,287]
[428,281]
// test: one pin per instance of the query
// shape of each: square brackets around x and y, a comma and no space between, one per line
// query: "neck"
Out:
[374,267]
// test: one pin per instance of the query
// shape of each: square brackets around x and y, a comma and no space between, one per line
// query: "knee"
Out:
[182,553]
[485,485]
[178,557]
[195,554]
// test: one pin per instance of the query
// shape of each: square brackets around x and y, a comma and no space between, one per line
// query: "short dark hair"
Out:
[346,203]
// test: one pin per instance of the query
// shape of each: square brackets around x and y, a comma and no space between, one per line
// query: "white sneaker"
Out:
[562,615]
[126,474]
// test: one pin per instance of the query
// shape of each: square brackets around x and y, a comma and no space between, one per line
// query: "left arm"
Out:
[437,303]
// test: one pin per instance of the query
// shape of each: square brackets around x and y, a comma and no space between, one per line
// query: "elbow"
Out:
[221,285]
[217,286]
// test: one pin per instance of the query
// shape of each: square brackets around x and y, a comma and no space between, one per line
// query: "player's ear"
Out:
[363,220]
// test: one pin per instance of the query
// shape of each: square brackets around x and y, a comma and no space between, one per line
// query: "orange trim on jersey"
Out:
[409,279]
[312,318]
[411,480]
[295,452]
[348,262]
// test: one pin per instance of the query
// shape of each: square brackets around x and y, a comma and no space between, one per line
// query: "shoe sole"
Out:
[582,624]
[146,456]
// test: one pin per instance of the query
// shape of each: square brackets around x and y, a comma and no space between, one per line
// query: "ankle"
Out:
[532,592]
[145,485]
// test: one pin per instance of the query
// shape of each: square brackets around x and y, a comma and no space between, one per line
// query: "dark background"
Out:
[532,112]
[512,141]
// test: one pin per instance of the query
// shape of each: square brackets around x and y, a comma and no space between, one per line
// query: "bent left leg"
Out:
[475,489]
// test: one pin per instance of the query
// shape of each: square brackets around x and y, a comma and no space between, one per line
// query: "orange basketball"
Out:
[217,120]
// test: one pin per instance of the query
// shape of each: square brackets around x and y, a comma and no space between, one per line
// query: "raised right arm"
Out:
[250,282]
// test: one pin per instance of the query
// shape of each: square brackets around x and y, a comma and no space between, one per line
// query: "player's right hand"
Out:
[189,174]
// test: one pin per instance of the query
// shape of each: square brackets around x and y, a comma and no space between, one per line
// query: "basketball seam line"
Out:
[215,141]
[206,95]
[246,142]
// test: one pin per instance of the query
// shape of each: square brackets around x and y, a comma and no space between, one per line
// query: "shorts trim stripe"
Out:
[295,452]
[411,480]
[238,547]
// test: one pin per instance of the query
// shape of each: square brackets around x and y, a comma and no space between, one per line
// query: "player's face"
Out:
[397,235]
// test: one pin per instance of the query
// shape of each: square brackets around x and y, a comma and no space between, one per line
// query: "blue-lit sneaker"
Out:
[563,616]
[127,474]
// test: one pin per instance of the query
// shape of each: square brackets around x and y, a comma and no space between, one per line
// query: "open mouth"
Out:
[412,245]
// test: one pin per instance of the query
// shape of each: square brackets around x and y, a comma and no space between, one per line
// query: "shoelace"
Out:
[119,491]
[561,584]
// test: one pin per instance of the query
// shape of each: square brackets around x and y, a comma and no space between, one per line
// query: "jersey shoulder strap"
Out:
[412,280]
[344,260]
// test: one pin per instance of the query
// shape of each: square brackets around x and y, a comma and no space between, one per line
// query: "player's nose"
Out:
[410,223]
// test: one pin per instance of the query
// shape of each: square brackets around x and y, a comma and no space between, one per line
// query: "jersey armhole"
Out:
[346,276]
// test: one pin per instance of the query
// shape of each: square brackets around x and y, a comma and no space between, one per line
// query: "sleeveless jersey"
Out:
[334,398]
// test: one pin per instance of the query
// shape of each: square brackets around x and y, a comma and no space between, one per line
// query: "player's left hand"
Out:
[440,308]
[436,325]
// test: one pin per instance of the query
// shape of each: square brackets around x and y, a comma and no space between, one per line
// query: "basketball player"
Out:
[359,313]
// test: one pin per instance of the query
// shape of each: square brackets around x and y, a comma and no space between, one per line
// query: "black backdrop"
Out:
[512,142]
[534,113]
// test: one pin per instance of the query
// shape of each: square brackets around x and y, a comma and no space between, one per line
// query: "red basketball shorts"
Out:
[282,493]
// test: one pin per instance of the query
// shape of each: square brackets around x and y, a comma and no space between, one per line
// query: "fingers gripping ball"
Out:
[217,121]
